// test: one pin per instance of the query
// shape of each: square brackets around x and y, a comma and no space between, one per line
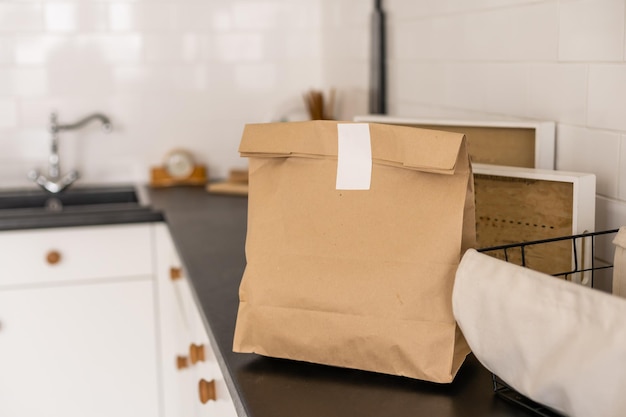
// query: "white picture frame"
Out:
[545,131]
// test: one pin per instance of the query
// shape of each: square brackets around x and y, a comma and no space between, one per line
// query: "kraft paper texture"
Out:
[355,278]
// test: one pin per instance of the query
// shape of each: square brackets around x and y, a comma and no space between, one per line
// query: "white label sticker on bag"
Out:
[354,156]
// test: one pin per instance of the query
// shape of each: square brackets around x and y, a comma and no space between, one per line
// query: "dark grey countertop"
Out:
[209,233]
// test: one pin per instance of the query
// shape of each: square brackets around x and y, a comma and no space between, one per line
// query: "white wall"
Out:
[540,59]
[170,73]
[191,73]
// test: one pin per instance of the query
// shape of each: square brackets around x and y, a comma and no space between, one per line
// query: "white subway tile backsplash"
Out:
[305,15]
[348,44]
[6,82]
[256,77]
[558,92]
[157,17]
[408,41]
[348,75]
[410,9]
[127,48]
[512,34]
[174,48]
[239,47]
[7,50]
[236,61]
[23,82]
[8,114]
[622,169]
[160,79]
[123,17]
[591,30]
[199,17]
[504,34]
[347,13]
[93,17]
[593,151]
[37,49]
[254,15]
[142,79]
[607,96]
[507,89]
[91,77]
[35,111]
[145,17]
[30,82]
[61,17]
[466,86]
[21,17]
[417,82]
[610,213]
[32,145]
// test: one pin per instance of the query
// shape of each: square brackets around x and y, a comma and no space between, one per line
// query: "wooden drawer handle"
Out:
[196,353]
[207,391]
[53,257]
[182,362]
[175,273]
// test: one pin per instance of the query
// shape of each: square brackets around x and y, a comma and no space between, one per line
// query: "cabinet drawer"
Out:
[75,254]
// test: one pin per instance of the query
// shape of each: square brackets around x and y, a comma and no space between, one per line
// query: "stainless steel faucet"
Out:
[54,182]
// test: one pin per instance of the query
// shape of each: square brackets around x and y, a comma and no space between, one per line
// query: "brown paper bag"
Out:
[357,278]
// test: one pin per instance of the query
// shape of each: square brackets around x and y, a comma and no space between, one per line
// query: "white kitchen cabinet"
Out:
[77,330]
[101,321]
[190,368]
[75,254]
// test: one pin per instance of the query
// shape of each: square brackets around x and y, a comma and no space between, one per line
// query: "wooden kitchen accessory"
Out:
[236,184]
[179,168]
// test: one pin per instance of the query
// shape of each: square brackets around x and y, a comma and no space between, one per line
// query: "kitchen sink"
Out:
[72,198]
[35,208]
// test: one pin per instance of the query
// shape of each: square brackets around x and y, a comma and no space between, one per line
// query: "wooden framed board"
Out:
[519,196]
[516,205]
[511,143]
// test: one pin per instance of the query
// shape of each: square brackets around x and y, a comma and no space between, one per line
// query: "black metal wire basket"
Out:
[584,270]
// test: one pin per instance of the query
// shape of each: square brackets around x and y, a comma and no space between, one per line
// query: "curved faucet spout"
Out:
[55,127]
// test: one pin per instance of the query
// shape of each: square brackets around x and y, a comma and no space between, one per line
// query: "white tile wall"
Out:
[621,178]
[559,60]
[589,150]
[559,92]
[591,30]
[61,17]
[21,17]
[607,96]
[508,89]
[169,73]
[190,74]
[464,86]
[8,113]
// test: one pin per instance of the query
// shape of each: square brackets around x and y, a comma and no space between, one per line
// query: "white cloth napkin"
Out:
[558,343]
[619,263]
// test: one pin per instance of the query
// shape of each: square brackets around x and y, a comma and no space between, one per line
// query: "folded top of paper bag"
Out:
[409,147]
